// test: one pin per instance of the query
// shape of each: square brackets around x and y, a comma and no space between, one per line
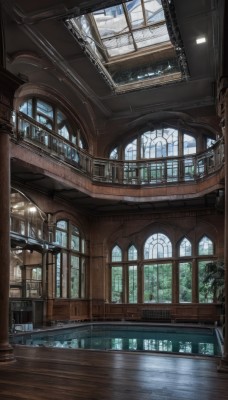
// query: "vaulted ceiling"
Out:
[42,51]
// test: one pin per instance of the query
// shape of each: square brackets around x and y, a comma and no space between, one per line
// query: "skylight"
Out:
[129,43]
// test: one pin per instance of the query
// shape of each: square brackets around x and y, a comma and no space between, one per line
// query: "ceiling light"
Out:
[200,40]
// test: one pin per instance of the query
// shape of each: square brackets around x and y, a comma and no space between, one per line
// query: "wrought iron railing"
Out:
[158,171]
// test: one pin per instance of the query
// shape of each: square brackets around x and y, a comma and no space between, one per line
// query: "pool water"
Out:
[184,340]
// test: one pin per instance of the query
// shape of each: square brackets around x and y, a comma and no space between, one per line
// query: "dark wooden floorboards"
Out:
[45,374]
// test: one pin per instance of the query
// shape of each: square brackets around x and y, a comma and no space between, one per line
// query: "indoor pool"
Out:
[170,339]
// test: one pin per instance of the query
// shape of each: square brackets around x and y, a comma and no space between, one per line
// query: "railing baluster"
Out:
[144,172]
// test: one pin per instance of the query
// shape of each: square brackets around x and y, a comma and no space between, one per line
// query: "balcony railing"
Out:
[159,171]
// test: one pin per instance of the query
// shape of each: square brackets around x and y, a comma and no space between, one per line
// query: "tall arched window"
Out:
[205,250]
[132,275]
[152,275]
[157,246]
[117,275]
[71,262]
[185,272]
[157,276]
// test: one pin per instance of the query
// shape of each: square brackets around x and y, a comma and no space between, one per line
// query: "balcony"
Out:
[154,172]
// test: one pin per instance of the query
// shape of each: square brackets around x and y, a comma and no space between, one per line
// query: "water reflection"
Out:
[199,341]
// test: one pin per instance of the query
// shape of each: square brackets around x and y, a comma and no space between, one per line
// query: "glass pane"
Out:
[151,36]
[58,275]
[172,171]
[189,169]
[158,283]
[116,254]
[189,145]
[110,21]
[157,246]
[26,107]
[185,282]
[205,290]
[114,154]
[44,121]
[210,142]
[117,285]
[130,172]
[64,275]
[61,238]
[83,278]
[135,13]
[185,248]
[132,253]
[159,143]
[154,11]
[62,224]
[45,109]
[130,152]
[205,247]
[74,277]
[132,284]
[75,243]
[119,45]
[63,131]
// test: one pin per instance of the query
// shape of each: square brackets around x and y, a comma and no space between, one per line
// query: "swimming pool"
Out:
[169,339]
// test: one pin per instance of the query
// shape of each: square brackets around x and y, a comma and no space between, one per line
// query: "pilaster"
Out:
[8,85]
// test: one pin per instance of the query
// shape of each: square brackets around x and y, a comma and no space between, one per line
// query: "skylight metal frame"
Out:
[104,62]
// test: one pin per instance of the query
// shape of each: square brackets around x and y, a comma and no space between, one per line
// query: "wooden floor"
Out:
[59,374]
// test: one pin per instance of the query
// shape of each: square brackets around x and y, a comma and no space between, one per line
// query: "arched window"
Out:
[116,254]
[159,143]
[26,218]
[157,246]
[185,248]
[50,117]
[116,276]
[130,152]
[70,263]
[163,142]
[132,253]
[205,247]
[157,276]
[132,273]
[189,145]
[153,148]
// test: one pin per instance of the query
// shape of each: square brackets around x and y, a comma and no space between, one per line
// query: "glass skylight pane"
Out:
[154,11]
[150,36]
[111,21]
[135,13]
[119,45]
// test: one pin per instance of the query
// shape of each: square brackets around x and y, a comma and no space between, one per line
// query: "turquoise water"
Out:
[183,340]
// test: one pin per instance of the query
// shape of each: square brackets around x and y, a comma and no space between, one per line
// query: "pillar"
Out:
[8,84]
[223,366]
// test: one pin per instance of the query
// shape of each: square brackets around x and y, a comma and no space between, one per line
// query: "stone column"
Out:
[8,84]
[223,366]
[6,352]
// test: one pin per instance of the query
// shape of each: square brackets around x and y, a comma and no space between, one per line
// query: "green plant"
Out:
[215,279]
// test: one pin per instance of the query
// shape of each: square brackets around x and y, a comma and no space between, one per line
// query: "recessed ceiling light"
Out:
[200,40]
